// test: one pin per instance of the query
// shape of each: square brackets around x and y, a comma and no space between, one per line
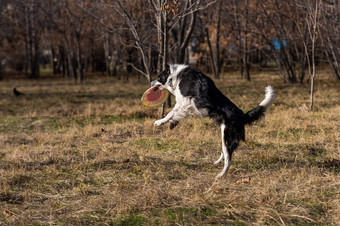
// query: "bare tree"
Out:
[30,24]
[312,19]
[146,35]
[77,23]
[330,20]
[161,9]
[182,26]
[214,51]
[270,24]
[118,7]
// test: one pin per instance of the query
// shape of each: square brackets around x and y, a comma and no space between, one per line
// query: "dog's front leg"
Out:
[167,117]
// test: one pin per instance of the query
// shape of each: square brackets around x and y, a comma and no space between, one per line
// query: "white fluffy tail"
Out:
[258,112]
[268,100]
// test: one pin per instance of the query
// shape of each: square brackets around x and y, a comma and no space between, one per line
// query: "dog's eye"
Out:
[170,81]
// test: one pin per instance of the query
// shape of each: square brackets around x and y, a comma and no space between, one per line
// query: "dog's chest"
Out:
[188,105]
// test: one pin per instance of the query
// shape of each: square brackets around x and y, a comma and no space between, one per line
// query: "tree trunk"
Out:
[27,56]
[334,61]
[35,59]
[80,67]
[164,49]
[54,62]
[246,59]
[245,46]
[217,41]
[1,74]
[185,32]
[160,23]
[62,61]
[211,55]
[311,105]
[70,61]
[93,65]
[87,56]
[107,53]
[165,46]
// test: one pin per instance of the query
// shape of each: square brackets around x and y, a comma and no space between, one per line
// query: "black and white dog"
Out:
[196,94]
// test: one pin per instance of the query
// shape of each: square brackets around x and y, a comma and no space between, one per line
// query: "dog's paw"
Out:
[218,160]
[173,124]
[158,122]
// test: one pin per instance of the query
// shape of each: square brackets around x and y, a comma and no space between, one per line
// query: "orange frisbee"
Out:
[153,97]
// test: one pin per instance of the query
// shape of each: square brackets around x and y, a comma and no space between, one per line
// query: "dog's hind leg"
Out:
[225,153]
[220,158]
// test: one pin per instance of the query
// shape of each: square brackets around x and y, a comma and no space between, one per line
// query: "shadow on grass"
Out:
[332,165]
[151,162]
[78,96]
[45,123]
[29,166]
[11,198]
[304,155]
[276,163]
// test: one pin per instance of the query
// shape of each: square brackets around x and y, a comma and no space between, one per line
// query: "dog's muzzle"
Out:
[156,83]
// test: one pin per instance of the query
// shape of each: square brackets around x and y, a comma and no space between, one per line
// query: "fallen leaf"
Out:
[244,180]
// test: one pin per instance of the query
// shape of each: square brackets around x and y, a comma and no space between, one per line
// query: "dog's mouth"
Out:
[158,88]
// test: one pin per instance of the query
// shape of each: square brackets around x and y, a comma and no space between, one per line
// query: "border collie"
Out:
[196,94]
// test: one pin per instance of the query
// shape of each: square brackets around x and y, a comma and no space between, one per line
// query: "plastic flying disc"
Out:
[153,97]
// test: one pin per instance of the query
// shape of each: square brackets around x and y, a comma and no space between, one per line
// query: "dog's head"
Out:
[162,77]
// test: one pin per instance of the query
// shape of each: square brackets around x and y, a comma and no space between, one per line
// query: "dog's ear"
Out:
[163,76]
[167,68]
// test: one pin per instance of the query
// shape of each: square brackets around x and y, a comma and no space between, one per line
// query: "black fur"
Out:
[197,94]
[200,87]
[194,84]
[163,76]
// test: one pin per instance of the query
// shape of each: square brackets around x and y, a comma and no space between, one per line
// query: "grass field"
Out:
[89,154]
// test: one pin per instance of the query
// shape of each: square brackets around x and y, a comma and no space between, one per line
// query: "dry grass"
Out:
[89,154]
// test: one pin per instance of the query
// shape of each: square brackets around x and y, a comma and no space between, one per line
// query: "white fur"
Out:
[227,160]
[177,68]
[185,106]
[268,100]
[219,159]
[174,70]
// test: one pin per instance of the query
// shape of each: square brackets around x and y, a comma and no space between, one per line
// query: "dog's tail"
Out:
[259,112]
